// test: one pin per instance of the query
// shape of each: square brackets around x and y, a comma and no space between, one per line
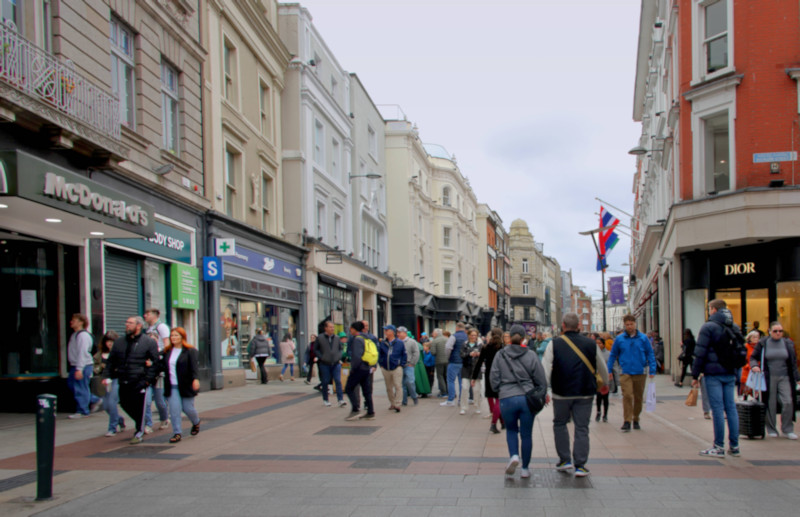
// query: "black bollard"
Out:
[45,445]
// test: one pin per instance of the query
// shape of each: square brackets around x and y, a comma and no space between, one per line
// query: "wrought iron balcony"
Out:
[92,112]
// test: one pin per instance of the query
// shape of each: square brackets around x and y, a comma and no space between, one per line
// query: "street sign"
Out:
[212,269]
[786,156]
[225,247]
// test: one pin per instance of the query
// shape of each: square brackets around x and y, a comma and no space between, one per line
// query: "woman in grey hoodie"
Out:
[260,350]
[515,371]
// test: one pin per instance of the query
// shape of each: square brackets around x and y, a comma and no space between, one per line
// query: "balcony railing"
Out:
[39,74]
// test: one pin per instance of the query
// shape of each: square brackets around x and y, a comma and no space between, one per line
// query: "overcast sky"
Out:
[533,97]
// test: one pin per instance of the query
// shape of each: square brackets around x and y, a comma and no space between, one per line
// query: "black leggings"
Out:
[684,366]
[602,399]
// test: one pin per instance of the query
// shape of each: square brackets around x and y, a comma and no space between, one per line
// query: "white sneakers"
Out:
[524,473]
[164,424]
[462,412]
[448,403]
[791,436]
[326,403]
[513,463]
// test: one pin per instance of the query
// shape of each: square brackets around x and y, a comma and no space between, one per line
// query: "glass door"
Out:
[757,310]
[732,297]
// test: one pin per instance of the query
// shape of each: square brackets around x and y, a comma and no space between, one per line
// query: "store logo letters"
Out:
[740,269]
[57,187]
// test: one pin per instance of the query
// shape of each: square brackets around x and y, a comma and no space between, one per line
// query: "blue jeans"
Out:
[453,373]
[519,423]
[80,389]
[328,372]
[110,401]
[156,394]
[409,384]
[178,403]
[721,390]
[291,368]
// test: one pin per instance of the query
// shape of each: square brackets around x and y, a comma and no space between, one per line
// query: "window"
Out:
[446,237]
[371,238]
[264,106]
[229,69]
[337,230]
[373,142]
[526,288]
[231,159]
[448,281]
[47,26]
[334,87]
[717,154]
[320,220]
[122,74]
[266,201]
[525,265]
[335,157]
[319,143]
[446,196]
[169,107]
[715,35]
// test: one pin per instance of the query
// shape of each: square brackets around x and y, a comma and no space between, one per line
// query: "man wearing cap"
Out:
[392,358]
[454,363]
[412,353]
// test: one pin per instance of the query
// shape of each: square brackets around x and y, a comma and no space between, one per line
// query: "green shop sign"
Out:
[185,287]
[165,241]
[28,177]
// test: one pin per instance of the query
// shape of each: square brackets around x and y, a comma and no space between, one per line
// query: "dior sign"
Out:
[57,187]
[743,268]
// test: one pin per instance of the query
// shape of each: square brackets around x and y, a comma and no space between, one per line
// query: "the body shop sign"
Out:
[165,241]
[38,180]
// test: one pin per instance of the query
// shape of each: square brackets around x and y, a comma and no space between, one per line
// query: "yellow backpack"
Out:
[370,355]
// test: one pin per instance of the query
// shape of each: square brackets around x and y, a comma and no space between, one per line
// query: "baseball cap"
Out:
[402,329]
[342,334]
[517,329]
[390,327]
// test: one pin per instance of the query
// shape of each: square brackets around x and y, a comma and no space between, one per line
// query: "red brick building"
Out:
[716,198]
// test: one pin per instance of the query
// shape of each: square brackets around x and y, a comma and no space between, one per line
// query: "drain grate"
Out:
[381,463]
[344,430]
[22,480]
[548,478]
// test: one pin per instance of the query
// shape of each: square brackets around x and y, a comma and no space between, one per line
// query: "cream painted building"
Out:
[527,277]
[332,208]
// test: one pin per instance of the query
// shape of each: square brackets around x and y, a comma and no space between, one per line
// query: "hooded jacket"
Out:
[259,346]
[634,354]
[515,371]
[712,333]
[412,351]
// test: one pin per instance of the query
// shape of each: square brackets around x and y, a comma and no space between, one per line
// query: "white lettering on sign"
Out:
[743,268]
[269,264]
[57,187]
[167,241]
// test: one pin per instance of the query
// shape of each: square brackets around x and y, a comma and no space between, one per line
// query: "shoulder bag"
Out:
[535,397]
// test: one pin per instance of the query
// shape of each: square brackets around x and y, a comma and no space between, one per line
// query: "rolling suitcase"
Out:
[752,417]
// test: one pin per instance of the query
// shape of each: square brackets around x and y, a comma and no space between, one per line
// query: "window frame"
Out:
[231,154]
[700,71]
[319,143]
[230,70]
[447,240]
[265,108]
[525,266]
[446,201]
[124,74]
[267,189]
[170,97]
[447,281]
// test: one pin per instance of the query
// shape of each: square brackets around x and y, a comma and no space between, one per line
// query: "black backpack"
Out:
[93,350]
[730,349]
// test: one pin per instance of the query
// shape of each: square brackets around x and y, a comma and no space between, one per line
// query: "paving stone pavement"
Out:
[274,450]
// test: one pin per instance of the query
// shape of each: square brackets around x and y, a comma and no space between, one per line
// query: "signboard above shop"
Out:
[258,261]
[166,241]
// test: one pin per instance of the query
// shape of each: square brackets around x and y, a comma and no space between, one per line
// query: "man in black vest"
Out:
[574,386]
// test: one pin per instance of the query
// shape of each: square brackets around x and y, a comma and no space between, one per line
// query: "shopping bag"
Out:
[756,381]
[691,398]
[253,364]
[650,404]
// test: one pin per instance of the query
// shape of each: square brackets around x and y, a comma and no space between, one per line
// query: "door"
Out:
[748,306]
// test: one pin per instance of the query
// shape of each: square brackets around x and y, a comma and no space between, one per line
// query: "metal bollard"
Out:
[45,445]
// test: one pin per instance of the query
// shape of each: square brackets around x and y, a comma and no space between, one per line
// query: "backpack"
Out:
[93,350]
[370,355]
[731,352]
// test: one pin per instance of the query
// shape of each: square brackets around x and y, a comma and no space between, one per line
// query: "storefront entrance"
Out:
[748,306]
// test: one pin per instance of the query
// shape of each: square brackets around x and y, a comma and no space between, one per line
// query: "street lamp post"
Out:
[602,270]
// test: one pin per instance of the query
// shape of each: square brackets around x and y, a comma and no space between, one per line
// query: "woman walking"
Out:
[487,355]
[515,371]
[260,350]
[602,392]
[182,382]
[287,355]
[687,355]
[781,376]
[109,388]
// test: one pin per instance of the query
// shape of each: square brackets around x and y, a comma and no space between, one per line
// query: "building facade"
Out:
[528,304]
[716,93]
[494,294]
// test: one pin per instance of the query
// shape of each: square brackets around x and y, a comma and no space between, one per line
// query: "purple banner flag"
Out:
[616,292]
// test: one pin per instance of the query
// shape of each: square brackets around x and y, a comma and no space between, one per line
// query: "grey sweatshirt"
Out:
[514,363]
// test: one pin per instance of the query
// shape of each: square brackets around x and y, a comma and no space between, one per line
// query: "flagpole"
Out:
[601,258]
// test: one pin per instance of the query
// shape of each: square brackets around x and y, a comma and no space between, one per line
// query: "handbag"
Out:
[691,398]
[757,381]
[535,397]
[597,376]
[253,364]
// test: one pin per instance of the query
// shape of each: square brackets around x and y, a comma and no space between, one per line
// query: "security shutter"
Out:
[122,292]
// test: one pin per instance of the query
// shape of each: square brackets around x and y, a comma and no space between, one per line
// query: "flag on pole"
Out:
[607,239]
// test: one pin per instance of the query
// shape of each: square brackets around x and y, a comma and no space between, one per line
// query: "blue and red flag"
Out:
[607,239]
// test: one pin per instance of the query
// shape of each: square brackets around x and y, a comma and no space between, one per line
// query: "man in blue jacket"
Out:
[634,352]
[392,359]
[720,379]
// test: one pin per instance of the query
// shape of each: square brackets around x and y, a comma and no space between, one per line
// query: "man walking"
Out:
[454,363]
[634,352]
[159,332]
[134,361]
[392,358]
[412,353]
[720,377]
[328,353]
[574,386]
[438,351]
[79,356]
[360,375]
